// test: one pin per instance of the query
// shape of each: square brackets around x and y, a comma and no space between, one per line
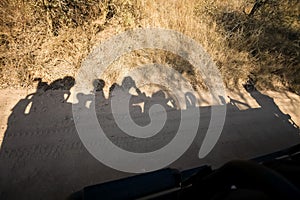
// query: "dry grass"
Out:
[49,40]
[192,18]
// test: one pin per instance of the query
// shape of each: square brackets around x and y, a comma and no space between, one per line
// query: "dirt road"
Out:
[42,157]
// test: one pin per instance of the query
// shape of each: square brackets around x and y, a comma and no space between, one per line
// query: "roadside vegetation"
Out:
[246,38]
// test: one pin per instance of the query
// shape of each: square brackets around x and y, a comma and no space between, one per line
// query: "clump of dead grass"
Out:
[264,45]
[49,39]
[271,37]
[194,19]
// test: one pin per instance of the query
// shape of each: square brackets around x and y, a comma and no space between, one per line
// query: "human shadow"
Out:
[138,114]
[42,156]
[250,132]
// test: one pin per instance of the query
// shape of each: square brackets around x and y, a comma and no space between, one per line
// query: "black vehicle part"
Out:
[272,176]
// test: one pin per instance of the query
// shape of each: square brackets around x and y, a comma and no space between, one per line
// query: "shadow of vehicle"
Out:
[42,156]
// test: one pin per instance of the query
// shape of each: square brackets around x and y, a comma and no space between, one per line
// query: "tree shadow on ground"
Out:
[42,156]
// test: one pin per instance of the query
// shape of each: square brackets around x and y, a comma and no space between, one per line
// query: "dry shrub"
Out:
[50,38]
[264,46]
[195,19]
[270,37]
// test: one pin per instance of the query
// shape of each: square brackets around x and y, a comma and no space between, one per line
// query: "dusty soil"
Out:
[288,103]
[9,98]
[42,157]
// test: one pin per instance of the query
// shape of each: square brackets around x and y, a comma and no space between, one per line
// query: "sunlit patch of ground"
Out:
[289,103]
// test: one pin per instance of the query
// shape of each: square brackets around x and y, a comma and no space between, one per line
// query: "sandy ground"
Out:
[9,98]
[288,103]
[42,157]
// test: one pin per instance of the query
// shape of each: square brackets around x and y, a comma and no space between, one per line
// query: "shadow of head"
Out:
[128,83]
[98,85]
[65,83]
